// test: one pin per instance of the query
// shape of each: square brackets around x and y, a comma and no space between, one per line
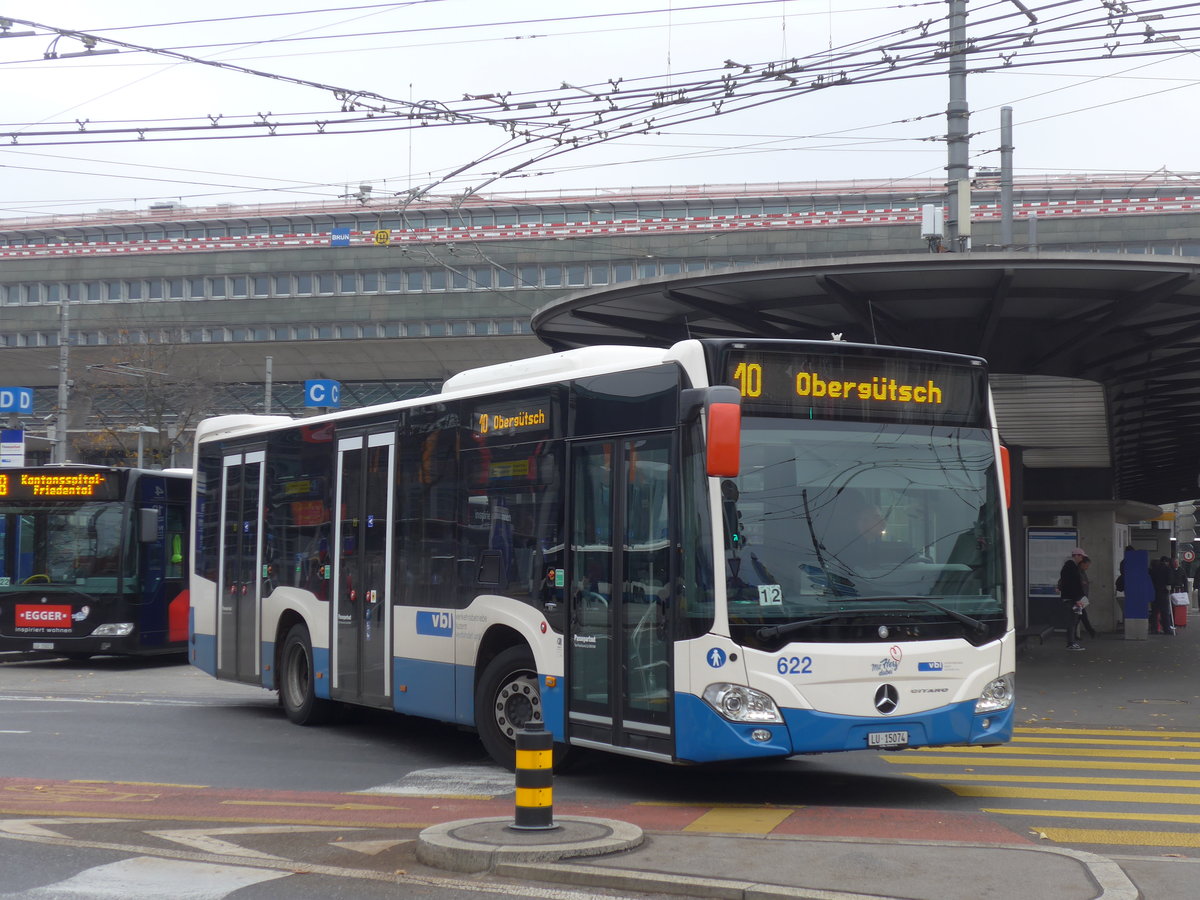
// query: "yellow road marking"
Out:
[1025,778]
[136,783]
[73,793]
[1124,816]
[1124,838]
[681,804]
[1064,794]
[317,805]
[1112,732]
[739,821]
[1101,742]
[979,762]
[1019,750]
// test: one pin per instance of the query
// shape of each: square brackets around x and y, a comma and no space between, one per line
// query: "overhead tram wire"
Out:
[590,126]
[289,13]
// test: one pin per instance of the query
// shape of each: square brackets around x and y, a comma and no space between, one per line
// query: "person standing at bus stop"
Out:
[1070,586]
[1161,619]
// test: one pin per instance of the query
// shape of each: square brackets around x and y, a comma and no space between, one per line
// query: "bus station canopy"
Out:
[1095,358]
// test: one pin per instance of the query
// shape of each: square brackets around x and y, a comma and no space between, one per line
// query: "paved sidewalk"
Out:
[1152,683]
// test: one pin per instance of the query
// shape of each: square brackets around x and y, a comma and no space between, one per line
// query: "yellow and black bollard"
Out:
[535,781]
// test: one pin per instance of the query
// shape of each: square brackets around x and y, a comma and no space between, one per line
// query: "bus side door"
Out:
[362,600]
[240,566]
[619,663]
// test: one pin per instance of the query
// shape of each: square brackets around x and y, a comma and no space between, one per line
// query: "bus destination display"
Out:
[857,388]
[58,484]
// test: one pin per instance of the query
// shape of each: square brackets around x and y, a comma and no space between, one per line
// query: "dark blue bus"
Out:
[93,560]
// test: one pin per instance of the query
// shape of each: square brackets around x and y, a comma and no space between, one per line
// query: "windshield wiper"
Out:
[952,613]
[771,631]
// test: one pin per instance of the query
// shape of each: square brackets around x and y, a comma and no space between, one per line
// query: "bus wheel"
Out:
[506,700]
[297,685]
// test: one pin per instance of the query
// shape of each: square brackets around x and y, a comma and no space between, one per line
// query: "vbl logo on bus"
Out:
[439,624]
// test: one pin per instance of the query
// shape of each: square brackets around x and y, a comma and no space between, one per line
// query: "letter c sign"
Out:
[323,392]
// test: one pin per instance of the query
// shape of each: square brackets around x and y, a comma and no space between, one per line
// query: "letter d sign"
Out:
[16,400]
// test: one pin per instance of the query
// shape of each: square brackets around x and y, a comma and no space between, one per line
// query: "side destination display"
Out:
[857,388]
[59,484]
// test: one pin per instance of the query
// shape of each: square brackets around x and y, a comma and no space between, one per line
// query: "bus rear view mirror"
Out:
[724,444]
[148,525]
[722,407]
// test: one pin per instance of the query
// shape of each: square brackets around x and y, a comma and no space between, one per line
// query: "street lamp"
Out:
[141,431]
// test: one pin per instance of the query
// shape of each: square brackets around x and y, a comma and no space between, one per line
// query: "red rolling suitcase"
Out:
[1180,611]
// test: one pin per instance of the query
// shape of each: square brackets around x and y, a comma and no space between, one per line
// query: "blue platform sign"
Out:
[323,392]
[16,400]
[339,237]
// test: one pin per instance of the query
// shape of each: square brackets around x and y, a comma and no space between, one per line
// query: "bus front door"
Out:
[362,601]
[619,664]
[240,565]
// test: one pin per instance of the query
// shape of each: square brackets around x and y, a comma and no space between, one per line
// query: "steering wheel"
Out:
[37,579]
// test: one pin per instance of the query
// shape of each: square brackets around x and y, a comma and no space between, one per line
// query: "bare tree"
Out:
[149,391]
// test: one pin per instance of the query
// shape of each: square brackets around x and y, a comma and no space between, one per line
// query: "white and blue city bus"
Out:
[93,560]
[721,550]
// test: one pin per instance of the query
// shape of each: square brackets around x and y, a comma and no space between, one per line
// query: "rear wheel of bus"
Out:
[297,682]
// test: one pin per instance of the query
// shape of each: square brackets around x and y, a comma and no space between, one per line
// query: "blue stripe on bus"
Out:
[703,736]
[554,704]
[203,652]
[267,664]
[321,677]
[424,688]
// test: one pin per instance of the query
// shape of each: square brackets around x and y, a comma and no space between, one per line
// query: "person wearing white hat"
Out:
[1070,585]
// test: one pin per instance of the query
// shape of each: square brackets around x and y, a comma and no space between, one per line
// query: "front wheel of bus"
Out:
[506,700]
[297,684]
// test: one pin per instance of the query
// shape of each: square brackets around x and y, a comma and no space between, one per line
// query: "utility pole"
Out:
[958,170]
[59,454]
[1006,179]
[267,386]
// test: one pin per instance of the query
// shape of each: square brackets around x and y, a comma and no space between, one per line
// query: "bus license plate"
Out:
[43,645]
[887,739]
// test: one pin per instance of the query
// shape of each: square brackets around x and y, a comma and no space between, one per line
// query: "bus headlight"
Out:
[997,695]
[114,629]
[742,704]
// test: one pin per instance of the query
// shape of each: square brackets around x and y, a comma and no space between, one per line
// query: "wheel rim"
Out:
[518,703]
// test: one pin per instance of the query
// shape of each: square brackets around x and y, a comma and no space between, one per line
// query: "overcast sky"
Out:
[1133,112]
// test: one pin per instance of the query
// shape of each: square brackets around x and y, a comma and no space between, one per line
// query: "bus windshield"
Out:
[853,530]
[64,544]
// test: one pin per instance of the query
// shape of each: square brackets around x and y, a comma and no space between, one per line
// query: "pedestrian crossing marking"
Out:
[1111,771]
[1107,732]
[1122,838]
[1065,794]
[979,762]
[1123,815]
[1075,752]
[1026,778]
[1106,742]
